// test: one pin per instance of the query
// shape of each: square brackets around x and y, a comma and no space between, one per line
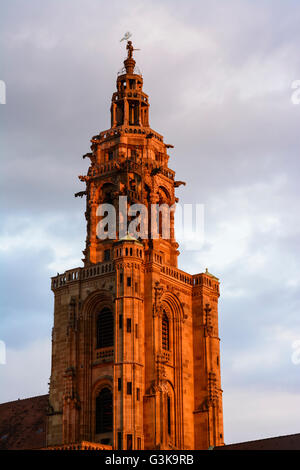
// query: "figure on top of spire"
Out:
[130,49]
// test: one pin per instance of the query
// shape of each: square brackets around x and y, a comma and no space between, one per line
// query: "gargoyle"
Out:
[80,194]
[92,157]
[83,178]
[179,183]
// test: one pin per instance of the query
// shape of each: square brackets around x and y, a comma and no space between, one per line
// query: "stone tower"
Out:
[135,346]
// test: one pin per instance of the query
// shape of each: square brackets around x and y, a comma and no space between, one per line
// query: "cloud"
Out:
[32,249]
[251,414]
[219,79]
[27,371]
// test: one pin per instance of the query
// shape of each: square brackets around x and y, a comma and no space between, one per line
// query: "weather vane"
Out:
[129,46]
[126,36]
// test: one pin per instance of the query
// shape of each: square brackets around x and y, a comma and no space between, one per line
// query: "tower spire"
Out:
[130,105]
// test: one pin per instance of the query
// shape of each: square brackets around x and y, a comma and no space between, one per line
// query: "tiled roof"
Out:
[23,423]
[290,442]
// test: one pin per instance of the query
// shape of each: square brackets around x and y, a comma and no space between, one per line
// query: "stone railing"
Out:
[105,354]
[117,131]
[77,274]
[177,274]
[129,164]
[83,445]
[168,173]
[207,280]
[195,280]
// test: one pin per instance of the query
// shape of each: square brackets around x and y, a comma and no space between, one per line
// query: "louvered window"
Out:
[105,329]
[104,411]
[165,332]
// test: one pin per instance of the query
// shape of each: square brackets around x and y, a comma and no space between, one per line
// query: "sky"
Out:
[219,76]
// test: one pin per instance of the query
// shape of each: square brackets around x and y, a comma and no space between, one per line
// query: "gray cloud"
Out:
[219,78]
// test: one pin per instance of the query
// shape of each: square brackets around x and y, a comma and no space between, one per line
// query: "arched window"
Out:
[104,411]
[165,332]
[105,328]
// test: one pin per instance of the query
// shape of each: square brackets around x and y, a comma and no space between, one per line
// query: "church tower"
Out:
[135,345]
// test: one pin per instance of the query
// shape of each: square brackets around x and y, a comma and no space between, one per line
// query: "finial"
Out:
[130,62]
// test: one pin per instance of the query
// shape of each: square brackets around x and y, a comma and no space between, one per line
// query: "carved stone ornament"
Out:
[158,293]
[208,326]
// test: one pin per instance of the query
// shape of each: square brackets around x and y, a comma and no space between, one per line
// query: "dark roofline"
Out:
[288,441]
[24,399]
[23,423]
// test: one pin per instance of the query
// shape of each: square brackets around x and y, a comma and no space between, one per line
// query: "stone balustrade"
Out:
[177,274]
[195,280]
[105,354]
[83,445]
[77,274]
[208,280]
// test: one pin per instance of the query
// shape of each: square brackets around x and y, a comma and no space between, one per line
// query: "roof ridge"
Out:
[24,399]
